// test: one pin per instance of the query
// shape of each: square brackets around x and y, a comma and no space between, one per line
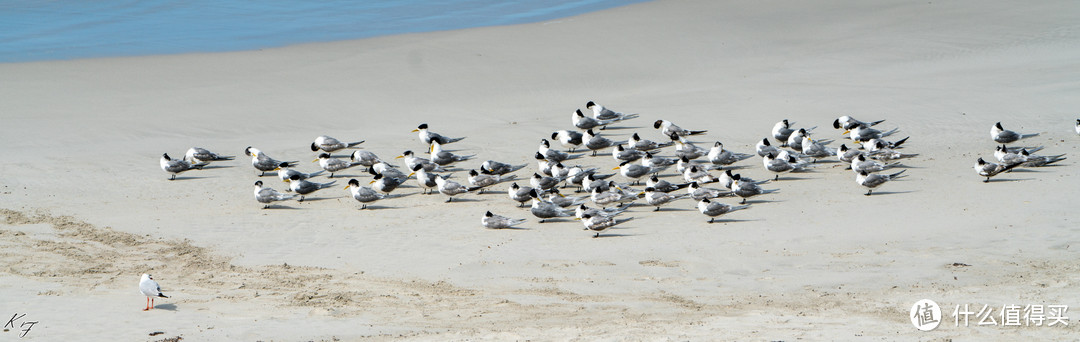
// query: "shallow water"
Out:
[32,30]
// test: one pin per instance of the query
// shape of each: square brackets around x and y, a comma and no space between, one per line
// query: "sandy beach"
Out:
[85,208]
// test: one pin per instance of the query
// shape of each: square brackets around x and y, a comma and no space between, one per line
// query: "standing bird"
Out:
[268,195]
[1033,160]
[332,165]
[600,223]
[863,132]
[492,221]
[365,158]
[151,290]
[363,194]
[714,209]
[697,192]
[719,156]
[988,169]
[545,210]
[492,167]
[444,158]
[411,161]
[781,131]
[427,136]
[481,181]
[176,166]
[747,189]
[264,163]
[569,139]
[621,154]
[1077,126]
[304,187]
[765,148]
[386,178]
[198,155]
[663,185]
[633,172]
[816,150]
[450,188]
[554,155]
[425,180]
[847,122]
[1004,136]
[585,123]
[285,173]
[636,142]
[873,180]
[860,164]
[782,165]
[601,113]
[846,155]
[519,194]
[657,198]
[595,142]
[329,144]
[795,140]
[684,148]
[667,128]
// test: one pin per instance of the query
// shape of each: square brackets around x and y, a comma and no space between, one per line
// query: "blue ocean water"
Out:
[32,30]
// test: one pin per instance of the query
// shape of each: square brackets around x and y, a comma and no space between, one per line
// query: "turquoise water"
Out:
[32,30]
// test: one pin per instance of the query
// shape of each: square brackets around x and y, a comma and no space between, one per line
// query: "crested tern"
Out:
[569,139]
[492,167]
[332,165]
[304,187]
[175,167]
[264,163]
[492,221]
[988,169]
[199,155]
[600,223]
[329,144]
[443,158]
[1005,136]
[266,195]
[667,128]
[873,180]
[363,194]
[658,198]
[719,156]
[428,136]
[714,209]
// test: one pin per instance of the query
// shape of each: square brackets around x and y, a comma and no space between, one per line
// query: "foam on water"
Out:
[33,30]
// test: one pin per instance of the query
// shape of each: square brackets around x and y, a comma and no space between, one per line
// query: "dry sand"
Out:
[86,209]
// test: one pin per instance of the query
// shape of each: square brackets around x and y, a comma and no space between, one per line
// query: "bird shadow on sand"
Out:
[211,167]
[1003,180]
[875,193]
[729,221]
[653,210]
[1023,171]
[377,207]
[511,228]
[609,235]
[169,307]
[760,201]
[283,207]
[790,179]
[190,177]
[463,199]
[316,199]
[608,128]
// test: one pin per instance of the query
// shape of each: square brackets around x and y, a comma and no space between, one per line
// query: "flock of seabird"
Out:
[871,157]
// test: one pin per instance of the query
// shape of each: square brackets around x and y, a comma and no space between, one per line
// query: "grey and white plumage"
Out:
[636,142]
[492,221]
[622,154]
[795,139]
[595,142]
[425,180]
[873,180]
[684,148]
[544,182]
[765,148]
[1004,136]
[175,166]
[816,150]
[781,165]
[715,209]
[554,155]
[365,158]
[304,187]
[492,167]
[695,174]
[285,173]
[519,194]
[564,201]
[384,184]
[1033,160]
[428,136]
[591,182]
[264,163]
[658,163]
[610,196]
[150,288]
[863,132]
[450,188]
[659,199]
[584,122]
[333,165]
[582,210]
[443,158]
[602,113]
[888,154]
[267,195]
[543,166]
[577,175]
[727,180]
[720,156]
[698,192]
[748,189]
[989,169]
[667,128]
[559,171]
[199,155]
[847,122]
[861,164]
[329,144]
[569,139]
[781,131]
[545,210]
[411,161]
[846,155]
[873,145]
[633,172]
[663,185]
[363,194]
[1078,126]
[600,223]
[481,181]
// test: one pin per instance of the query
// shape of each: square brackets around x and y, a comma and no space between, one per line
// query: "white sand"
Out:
[816,261]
